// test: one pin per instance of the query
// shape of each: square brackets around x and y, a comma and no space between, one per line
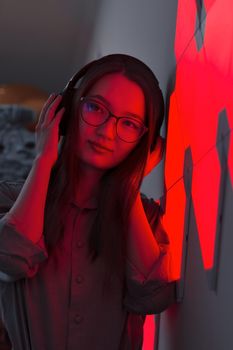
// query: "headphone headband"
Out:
[75,78]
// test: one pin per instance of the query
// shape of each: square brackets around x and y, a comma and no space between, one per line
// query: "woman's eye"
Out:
[130,124]
[93,107]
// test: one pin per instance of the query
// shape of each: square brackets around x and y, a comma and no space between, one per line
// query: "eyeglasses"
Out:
[95,113]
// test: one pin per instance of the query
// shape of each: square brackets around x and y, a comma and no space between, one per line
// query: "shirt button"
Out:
[79,279]
[79,244]
[78,318]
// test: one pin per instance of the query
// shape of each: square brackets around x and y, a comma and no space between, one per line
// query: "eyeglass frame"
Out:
[110,114]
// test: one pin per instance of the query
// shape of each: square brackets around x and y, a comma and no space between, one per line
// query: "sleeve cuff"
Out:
[19,256]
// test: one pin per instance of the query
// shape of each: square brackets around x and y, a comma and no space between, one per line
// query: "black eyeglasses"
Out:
[95,113]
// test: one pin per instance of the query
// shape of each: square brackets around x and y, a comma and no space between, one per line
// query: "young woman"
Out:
[83,254]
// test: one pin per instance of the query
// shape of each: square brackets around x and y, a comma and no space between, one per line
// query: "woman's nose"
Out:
[108,128]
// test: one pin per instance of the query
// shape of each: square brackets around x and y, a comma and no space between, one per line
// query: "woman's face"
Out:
[122,97]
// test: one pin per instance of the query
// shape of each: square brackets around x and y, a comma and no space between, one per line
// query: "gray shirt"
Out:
[55,302]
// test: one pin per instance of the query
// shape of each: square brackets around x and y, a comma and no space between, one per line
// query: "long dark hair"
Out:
[119,185]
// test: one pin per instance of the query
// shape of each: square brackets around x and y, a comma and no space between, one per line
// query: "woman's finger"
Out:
[44,109]
[48,114]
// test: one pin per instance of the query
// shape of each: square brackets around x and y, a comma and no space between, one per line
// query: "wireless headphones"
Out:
[69,90]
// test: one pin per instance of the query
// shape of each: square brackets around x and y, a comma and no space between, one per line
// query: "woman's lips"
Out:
[98,148]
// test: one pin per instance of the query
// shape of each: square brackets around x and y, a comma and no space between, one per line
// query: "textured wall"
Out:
[199,179]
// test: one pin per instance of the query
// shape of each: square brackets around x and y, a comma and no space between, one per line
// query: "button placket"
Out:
[76,277]
[79,244]
[78,318]
[79,279]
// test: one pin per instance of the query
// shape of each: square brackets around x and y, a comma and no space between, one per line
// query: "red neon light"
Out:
[204,80]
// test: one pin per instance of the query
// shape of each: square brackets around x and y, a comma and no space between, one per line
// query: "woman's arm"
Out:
[19,256]
[27,213]
[142,248]
[5,343]
[150,290]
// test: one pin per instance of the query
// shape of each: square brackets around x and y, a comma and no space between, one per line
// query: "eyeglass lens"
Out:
[94,113]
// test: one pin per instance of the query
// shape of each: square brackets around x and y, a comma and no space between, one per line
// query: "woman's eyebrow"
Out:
[103,99]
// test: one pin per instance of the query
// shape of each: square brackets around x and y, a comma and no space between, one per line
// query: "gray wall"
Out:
[44,42]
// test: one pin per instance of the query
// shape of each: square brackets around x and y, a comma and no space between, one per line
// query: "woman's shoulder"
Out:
[9,191]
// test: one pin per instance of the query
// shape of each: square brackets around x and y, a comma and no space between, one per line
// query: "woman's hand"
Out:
[47,130]
[156,156]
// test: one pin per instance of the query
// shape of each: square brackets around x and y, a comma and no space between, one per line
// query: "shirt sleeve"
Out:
[153,293]
[5,343]
[19,256]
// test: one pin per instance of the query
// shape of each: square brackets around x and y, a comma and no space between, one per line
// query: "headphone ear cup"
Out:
[66,102]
